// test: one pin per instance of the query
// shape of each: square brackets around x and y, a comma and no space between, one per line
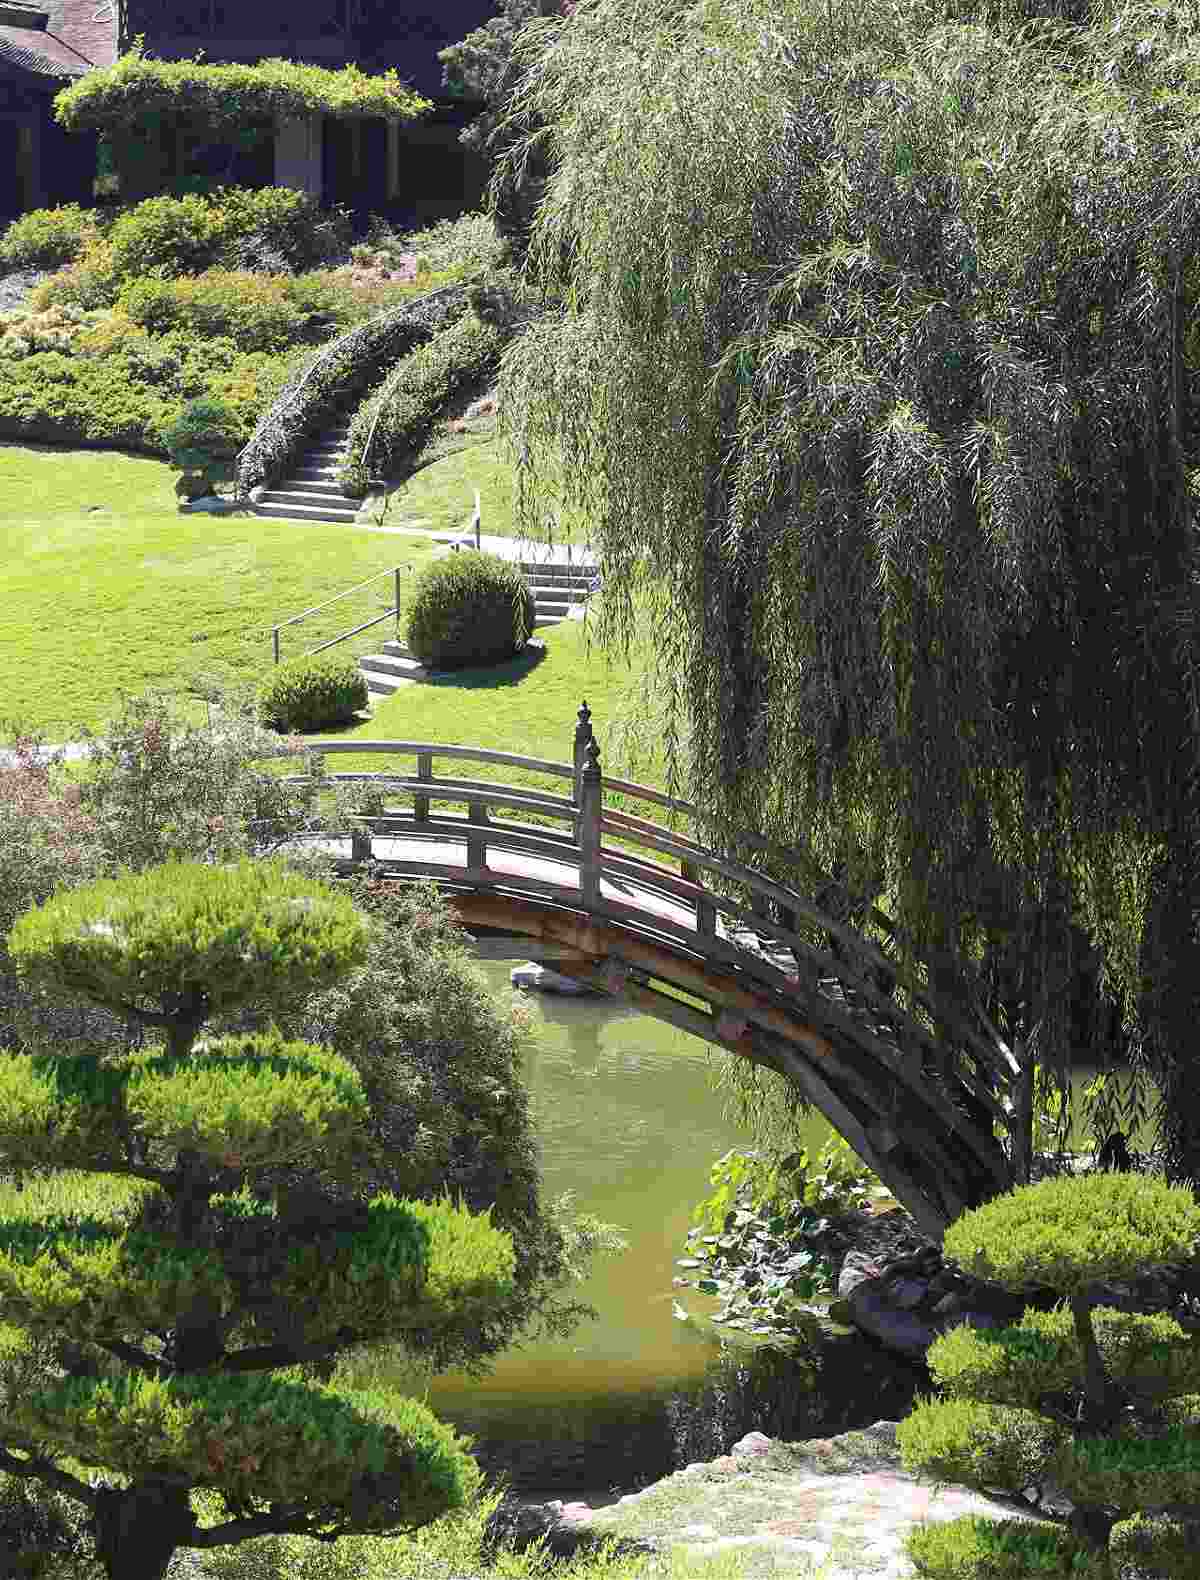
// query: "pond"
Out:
[628,1119]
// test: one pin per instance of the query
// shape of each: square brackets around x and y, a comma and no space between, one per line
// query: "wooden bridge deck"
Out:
[708,943]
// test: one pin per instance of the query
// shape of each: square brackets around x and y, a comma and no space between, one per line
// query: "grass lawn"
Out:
[106,586]
[442,493]
[527,706]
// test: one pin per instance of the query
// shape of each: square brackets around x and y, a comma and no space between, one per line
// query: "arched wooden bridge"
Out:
[636,908]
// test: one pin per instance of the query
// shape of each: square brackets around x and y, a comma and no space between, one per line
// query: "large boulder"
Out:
[906,1299]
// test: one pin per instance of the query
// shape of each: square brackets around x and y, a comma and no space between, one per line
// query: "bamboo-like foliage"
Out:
[873,364]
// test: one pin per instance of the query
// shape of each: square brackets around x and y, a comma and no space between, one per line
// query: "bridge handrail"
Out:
[432,788]
[323,748]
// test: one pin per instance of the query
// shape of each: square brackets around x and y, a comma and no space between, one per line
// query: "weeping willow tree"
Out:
[873,363]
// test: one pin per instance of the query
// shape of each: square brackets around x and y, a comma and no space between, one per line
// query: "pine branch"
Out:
[47,1471]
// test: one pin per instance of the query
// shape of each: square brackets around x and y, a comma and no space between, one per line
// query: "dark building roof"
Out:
[58,38]
[78,34]
[416,32]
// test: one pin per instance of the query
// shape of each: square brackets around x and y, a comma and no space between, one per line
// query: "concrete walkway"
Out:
[533,553]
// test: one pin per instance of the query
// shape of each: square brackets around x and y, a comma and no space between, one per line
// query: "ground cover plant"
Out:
[116,590]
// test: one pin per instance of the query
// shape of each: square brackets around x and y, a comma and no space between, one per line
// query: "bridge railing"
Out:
[632,871]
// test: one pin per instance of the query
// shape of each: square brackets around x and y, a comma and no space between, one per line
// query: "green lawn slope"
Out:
[106,586]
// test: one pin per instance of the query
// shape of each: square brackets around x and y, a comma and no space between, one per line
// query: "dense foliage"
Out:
[46,238]
[397,420]
[258,312]
[117,387]
[486,66]
[136,88]
[1103,1402]
[310,693]
[170,236]
[469,608]
[174,946]
[862,292]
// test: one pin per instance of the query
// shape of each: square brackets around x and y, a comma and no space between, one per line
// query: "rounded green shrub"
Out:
[309,693]
[469,608]
[268,226]
[164,235]
[47,238]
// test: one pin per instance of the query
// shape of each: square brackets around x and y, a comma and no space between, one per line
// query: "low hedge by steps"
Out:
[413,397]
[344,369]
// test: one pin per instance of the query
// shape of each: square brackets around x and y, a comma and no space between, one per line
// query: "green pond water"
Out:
[628,1119]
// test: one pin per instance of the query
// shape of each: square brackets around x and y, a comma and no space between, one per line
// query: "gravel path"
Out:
[788,1509]
[14,288]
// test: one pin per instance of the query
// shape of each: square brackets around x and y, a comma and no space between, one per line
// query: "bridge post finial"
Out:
[590,798]
[583,734]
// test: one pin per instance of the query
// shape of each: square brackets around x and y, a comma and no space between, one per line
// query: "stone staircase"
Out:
[557,590]
[310,492]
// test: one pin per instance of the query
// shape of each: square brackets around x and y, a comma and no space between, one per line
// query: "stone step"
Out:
[268,507]
[285,494]
[388,664]
[317,474]
[381,686]
[325,452]
[539,571]
[312,488]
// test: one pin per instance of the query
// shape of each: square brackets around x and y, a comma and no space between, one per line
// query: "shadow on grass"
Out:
[489,676]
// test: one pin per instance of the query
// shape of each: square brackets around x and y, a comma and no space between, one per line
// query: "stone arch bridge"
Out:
[712,945]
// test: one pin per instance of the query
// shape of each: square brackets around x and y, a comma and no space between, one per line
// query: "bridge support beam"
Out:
[905,1143]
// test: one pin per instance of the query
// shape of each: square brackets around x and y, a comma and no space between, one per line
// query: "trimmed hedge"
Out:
[469,608]
[310,693]
[344,369]
[413,397]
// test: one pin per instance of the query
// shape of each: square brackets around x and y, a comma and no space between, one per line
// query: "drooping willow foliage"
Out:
[874,366]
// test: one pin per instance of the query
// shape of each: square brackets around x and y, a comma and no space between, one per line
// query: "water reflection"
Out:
[628,1120]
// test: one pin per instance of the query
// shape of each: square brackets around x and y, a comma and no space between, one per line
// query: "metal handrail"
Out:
[316,609]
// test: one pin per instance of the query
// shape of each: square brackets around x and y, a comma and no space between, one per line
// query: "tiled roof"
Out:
[88,26]
[40,52]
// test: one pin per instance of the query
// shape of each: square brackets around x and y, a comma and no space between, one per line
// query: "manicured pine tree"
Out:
[202,1305]
[1104,1403]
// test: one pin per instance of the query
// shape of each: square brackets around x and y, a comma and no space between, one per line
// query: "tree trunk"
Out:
[137,1529]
